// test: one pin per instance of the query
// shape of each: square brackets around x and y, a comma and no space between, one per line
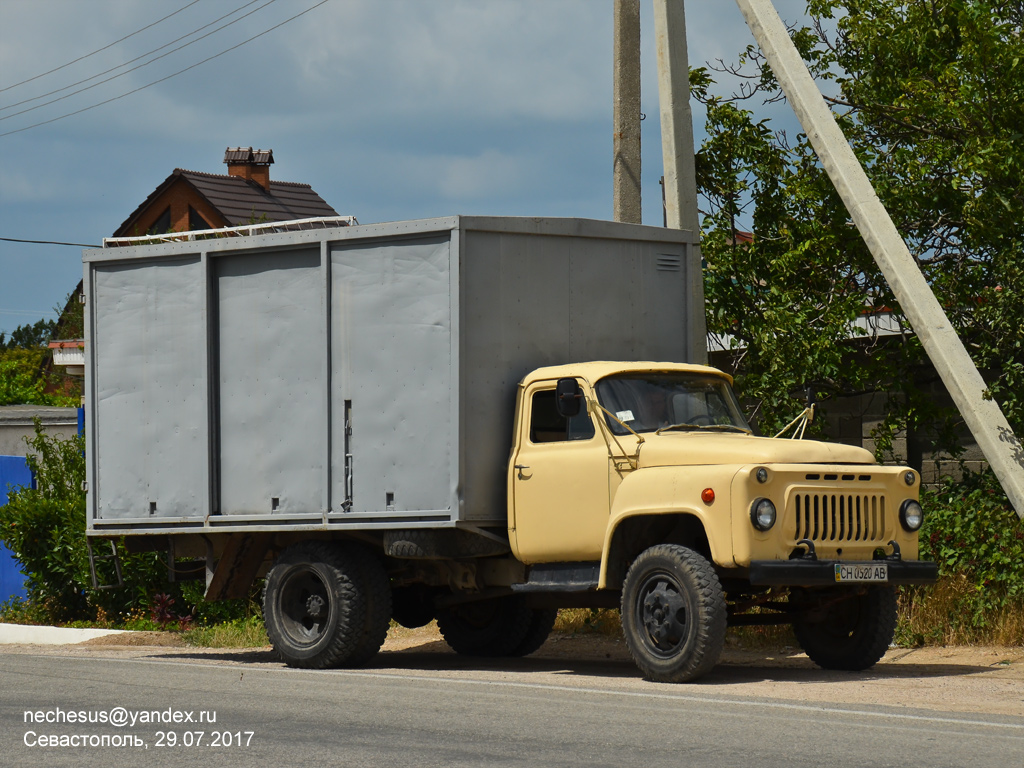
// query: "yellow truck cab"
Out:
[649,473]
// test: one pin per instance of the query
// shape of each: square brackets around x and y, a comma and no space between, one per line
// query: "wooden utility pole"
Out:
[626,113]
[986,421]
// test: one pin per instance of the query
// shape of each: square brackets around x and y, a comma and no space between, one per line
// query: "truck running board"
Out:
[561,577]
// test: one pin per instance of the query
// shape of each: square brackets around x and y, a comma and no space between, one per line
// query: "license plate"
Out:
[849,572]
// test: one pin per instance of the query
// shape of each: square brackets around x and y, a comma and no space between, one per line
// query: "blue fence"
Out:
[14,473]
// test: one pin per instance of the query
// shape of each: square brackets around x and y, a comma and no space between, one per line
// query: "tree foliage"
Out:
[26,378]
[29,336]
[930,95]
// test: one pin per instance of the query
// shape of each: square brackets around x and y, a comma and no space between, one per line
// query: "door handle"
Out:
[520,468]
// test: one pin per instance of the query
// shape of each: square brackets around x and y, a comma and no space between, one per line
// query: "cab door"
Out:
[559,483]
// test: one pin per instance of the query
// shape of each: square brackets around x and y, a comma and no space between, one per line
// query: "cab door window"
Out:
[548,426]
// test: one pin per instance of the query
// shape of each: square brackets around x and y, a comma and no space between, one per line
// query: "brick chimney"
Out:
[249,164]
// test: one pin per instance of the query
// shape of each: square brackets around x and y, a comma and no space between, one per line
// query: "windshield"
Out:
[648,402]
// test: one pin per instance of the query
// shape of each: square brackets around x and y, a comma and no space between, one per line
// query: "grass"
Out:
[240,633]
[947,614]
[598,621]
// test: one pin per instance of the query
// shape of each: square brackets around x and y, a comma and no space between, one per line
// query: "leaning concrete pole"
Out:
[626,113]
[677,153]
[984,418]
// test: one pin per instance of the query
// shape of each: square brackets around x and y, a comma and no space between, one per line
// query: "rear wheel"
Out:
[314,610]
[540,624]
[673,614]
[846,631]
[494,627]
[376,588]
[326,605]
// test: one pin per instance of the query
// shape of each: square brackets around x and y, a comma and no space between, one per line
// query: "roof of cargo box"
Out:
[152,246]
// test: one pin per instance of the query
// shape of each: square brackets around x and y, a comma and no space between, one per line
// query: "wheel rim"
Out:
[305,606]
[665,614]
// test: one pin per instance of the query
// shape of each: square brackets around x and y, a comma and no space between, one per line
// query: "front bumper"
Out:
[819,573]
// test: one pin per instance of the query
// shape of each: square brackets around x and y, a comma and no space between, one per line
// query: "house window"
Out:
[195,221]
[162,223]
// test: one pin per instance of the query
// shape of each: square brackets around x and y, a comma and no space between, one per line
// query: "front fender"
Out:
[675,490]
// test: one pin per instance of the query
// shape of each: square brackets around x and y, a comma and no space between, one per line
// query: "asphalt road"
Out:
[266,714]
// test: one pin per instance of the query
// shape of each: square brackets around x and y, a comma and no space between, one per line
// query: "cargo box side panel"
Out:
[515,317]
[628,301]
[391,344]
[150,408]
[271,344]
[531,300]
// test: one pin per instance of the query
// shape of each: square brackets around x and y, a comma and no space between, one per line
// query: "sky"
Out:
[389,109]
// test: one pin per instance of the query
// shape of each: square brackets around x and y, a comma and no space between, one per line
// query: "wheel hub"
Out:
[315,605]
[664,616]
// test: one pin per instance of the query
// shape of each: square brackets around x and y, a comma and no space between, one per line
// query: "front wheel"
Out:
[673,614]
[846,630]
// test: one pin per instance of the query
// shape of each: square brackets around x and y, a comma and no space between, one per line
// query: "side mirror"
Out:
[568,397]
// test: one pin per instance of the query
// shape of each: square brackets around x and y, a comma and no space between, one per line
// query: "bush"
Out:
[44,527]
[973,534]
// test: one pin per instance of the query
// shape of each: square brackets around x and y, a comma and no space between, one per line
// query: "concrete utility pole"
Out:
[626,113]
[984,418]
[677,149]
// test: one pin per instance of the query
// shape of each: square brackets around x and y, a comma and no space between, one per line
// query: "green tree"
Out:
[931,96]
[29,336]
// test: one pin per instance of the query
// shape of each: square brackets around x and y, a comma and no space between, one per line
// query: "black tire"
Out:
[673,614]
[492,627]
[413,606]
[314,610]
[541,622]
[851,633]
[375,585]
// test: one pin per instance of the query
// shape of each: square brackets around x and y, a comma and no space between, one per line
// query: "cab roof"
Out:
[598,369]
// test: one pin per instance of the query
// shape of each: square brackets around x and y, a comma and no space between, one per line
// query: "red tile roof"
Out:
[240,201]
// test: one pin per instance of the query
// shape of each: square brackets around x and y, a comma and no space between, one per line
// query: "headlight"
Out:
[762,514]
[911,515]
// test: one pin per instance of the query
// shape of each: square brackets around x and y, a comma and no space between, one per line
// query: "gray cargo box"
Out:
[359,377]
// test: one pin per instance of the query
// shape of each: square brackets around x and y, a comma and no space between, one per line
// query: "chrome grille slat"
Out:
[830,516]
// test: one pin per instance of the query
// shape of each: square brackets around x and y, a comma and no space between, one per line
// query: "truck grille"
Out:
[839,517]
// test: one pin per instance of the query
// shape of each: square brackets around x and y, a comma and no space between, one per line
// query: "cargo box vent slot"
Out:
[668,263]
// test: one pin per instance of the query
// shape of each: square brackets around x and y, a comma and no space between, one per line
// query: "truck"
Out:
[478,421]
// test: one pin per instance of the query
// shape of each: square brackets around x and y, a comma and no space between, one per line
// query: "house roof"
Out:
[237,199]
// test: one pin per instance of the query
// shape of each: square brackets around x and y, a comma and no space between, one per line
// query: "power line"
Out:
[168,77]
[99,50]
[140,66]
[47,242]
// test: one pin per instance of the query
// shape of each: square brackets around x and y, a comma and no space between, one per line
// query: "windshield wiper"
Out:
[713,427]
[680,425]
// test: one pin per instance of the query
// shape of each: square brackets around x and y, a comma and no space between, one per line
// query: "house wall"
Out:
[178,196]
[16,425]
